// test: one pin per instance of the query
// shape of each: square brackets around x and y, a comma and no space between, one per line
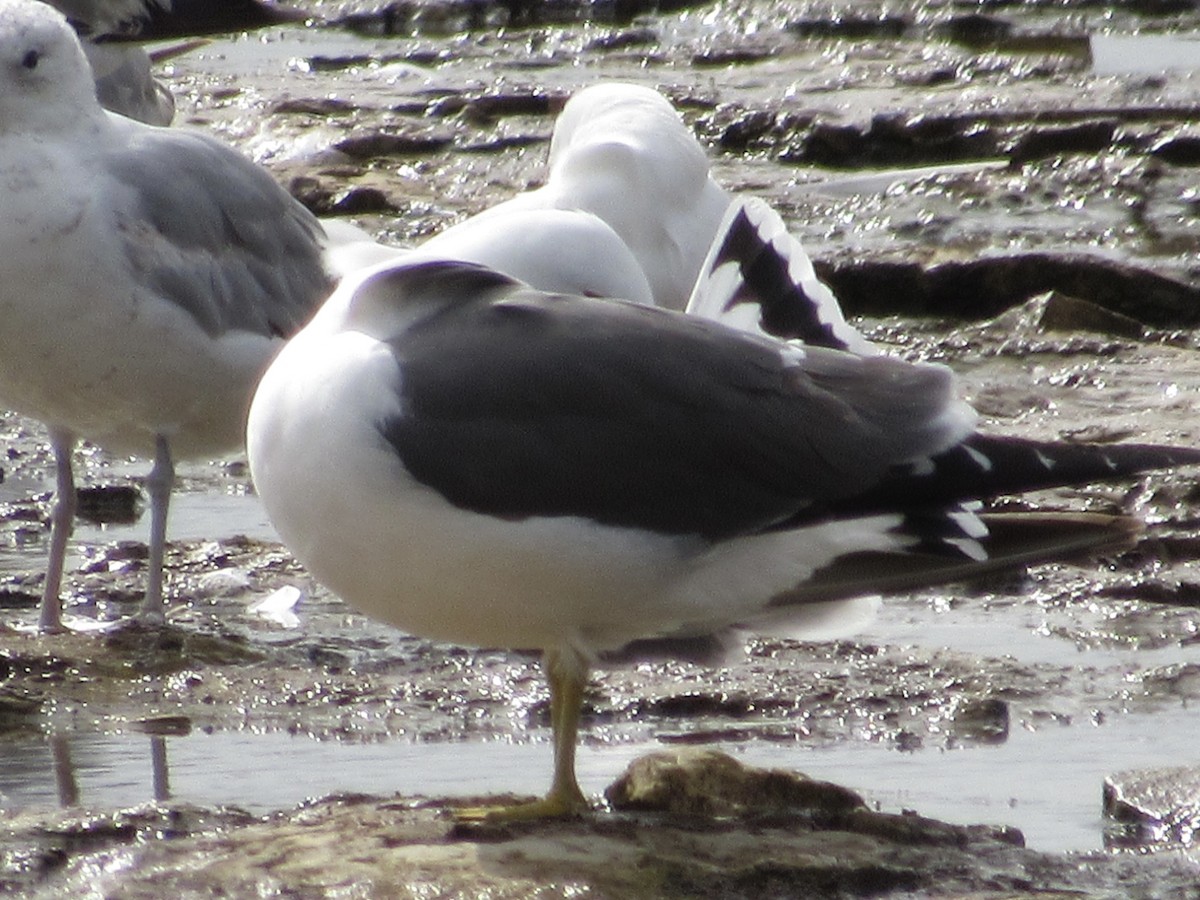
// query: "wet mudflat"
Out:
[947,169]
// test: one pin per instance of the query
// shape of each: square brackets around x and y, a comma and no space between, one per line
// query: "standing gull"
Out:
[147,277]
[476,461]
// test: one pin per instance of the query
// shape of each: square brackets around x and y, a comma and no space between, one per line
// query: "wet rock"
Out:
[360,200]
[353,62]
[975,30]
[851,26]
[1153,806]
[894,140]
[1061,312]
[116,504]
[1043,143]
[623,40]
[1178,592]
[138,649]
[710,783]
[166,726]
[18,599]
[983,288]
[980,32]
[981,721]
[732,56]
[488,108]
[745,130]
[413,142]
[19,707]
[319,106]
[1181,150]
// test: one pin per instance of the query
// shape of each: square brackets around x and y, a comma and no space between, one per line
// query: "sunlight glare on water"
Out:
[1050,789]
[1132,54]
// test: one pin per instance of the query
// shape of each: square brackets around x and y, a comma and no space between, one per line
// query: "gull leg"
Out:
[567,673]
[159,483]
[62,522]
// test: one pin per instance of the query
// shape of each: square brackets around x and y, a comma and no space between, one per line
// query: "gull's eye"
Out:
[30,60]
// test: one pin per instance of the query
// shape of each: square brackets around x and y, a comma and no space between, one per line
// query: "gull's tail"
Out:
[985,466]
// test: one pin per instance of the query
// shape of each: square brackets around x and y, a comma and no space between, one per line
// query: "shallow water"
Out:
[1117,54]
[1096,685]
[1045,783]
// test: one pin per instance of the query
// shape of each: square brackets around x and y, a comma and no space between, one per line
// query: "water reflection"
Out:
[27,781]
[1046,783]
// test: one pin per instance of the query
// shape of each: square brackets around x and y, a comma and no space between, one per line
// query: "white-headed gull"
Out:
[619,153]
[630,210]
[147,276]
[475,461]
[121,69]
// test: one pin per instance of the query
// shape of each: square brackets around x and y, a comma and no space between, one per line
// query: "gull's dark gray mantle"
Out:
[519,404]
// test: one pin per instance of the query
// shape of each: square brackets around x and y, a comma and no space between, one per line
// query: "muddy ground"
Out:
[947,166]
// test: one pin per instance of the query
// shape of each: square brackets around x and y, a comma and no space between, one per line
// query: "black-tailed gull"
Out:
[476,461]
[147,276]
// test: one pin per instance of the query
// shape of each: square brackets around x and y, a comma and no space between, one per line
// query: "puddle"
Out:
[1046,783]
[1145,54]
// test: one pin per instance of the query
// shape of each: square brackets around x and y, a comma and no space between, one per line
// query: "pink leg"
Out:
[62,521]
[159,484]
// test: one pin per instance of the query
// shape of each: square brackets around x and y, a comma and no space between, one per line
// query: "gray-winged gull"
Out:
[147,276]
[476,461]
[121,69]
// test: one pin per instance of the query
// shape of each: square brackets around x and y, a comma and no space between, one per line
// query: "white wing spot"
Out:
[979,459]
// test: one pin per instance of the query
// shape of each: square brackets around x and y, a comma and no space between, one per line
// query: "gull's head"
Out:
[385,300]
[45,80]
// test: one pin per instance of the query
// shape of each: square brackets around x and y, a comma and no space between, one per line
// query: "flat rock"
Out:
[1153,806]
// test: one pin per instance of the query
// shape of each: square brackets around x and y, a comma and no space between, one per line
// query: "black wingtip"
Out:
[985,466]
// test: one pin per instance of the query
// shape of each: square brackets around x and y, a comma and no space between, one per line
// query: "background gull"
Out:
[630,209]
[147,276]
[476,461]
[122,69]
[620,153]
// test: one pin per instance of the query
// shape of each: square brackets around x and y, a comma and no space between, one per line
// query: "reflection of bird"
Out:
[147,276]
[124,83]
[476,461]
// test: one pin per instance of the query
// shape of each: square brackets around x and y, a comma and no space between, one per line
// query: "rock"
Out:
[850,26]
[705,782]
[1150,806]
[1180,150]
[372,144]
[1043,143]
[985,287]
[982,721]
[894,140]
[115,504]
[1061,312]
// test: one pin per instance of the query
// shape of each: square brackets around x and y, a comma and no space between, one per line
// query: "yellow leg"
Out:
[567,673]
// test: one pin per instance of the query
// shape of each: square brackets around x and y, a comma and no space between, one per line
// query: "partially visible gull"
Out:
[472,460]
[147,276]
[147,20]
[621,153]
[630,209]
[121,69]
